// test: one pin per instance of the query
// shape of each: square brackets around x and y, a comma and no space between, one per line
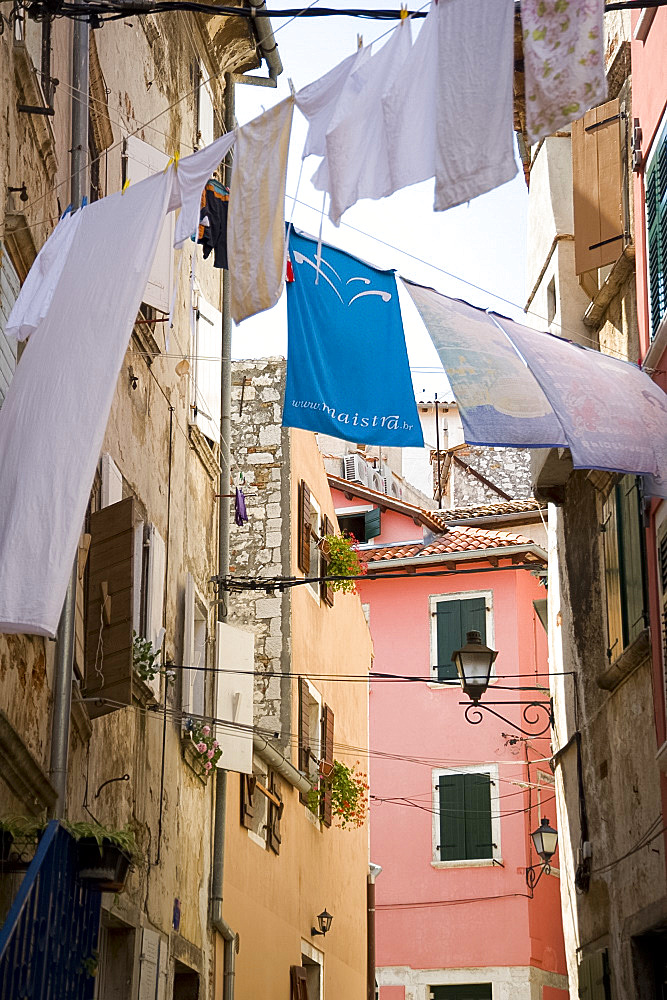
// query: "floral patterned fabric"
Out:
[564,62]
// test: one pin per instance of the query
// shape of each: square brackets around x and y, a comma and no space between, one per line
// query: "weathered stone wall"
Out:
[261,547]
[506,468]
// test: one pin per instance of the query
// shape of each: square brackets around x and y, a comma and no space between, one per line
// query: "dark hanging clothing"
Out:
[212,233]
[240,515]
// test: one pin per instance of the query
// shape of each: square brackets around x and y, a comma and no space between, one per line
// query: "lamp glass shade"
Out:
[545,839]
[324,921]
[473,664]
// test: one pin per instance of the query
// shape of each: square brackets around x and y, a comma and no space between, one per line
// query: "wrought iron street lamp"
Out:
[473,664]
[323,922]
[545,841]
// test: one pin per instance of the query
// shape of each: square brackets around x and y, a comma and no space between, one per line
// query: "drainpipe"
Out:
[373,872]
[267,42]
[220,809]
[63,671]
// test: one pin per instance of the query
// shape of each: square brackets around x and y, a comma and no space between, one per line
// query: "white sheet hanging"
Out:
[256,247]
[318,100]
[55,413]
[191,176]
[356,163]
[474,99]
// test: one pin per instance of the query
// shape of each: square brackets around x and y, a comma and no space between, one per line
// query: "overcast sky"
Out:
[482,242]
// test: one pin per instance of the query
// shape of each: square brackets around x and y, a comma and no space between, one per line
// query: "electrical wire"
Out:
[640,845]
[448,902]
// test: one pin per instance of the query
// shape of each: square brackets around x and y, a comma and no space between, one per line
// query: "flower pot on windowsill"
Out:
[103,867]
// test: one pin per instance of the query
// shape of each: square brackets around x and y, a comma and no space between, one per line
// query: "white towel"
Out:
[256,247]
[357,163]
[318,100]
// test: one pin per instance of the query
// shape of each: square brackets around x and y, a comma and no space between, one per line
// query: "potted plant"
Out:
[342,555]
[145,659]
[349,794]
[105,855]
[20,833]
[204,747]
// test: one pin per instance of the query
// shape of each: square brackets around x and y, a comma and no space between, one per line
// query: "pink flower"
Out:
[215,744]
[206,730]
[208,765]
[210,754]
[201,747]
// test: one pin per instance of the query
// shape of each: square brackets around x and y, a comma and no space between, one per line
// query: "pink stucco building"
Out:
[453,804]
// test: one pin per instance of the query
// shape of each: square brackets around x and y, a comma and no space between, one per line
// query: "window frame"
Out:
[659,140]
[468,595]
[613,551]
[496,856]
[314,588]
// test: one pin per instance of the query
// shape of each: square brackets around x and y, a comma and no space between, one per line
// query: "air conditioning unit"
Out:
[376,481]
[355,469]
[392,487]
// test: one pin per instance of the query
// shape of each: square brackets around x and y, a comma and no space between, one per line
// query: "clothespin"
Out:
[67,211]
[172,159]
[84,201]
[125,185]
[404,11]
[360,41]
[291,86]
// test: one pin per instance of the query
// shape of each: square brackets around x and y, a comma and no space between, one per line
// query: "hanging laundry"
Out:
[240,514]
[318,100]
[347,365]
[518,387]
[356,164]
[474,150]
[212,233]
[37,291]
[256,229]
[54,416]
[563,55]
[192,172]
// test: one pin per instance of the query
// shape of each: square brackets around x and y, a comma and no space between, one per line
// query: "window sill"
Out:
[630,659]
[482,863]
[256,839]
[312,818]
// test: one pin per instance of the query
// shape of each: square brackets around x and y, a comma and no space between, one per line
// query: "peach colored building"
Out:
[453,804]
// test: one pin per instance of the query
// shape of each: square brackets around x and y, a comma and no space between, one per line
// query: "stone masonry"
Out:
[506,468]
[261,548]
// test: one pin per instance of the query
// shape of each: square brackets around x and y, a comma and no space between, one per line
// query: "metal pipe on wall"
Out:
[63,671]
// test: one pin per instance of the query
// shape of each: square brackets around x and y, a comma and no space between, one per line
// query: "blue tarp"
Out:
[347,363]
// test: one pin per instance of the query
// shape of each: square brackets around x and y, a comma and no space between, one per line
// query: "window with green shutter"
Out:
[464,991]
[655,186]
[624,559]
[364,526]
[465,817]
[594,979]
[454,618]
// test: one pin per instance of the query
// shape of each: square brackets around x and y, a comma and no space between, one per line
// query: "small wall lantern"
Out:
[473,664]
[545,841]
[324,923]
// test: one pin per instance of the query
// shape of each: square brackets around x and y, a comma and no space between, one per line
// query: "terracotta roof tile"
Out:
[460,539]
[528,506]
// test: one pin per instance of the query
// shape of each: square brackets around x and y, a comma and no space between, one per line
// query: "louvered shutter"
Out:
[187,675]
[372,525]
[448,629]
[452,817]
[248,792]
[477,801]
[612,577]
[631,546]
[662,578]
[275,815]
[326,589]
[298,983]
[655,186]
[304,732]
[328,758]
[9,290]
[303,554]
[597,178]
[109,668]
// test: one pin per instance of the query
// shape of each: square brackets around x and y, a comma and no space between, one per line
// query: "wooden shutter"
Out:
[452,817]
[205,109]
[372,524]
[109,667]
[80,609]
[597,177]
[142,160]
[208,364]
[275,815]
[188,676]
[326,589]
[248,791]
[157,561]
[304,732]
[631,553]
[612,577]
[594,980]
[448,631]
[655,186]
[298,983]
[303,554]
[328,758]
[473,617]
[10,286]
[477,801]
[662,579]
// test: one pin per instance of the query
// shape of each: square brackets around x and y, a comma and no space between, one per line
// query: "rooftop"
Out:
[456,540]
